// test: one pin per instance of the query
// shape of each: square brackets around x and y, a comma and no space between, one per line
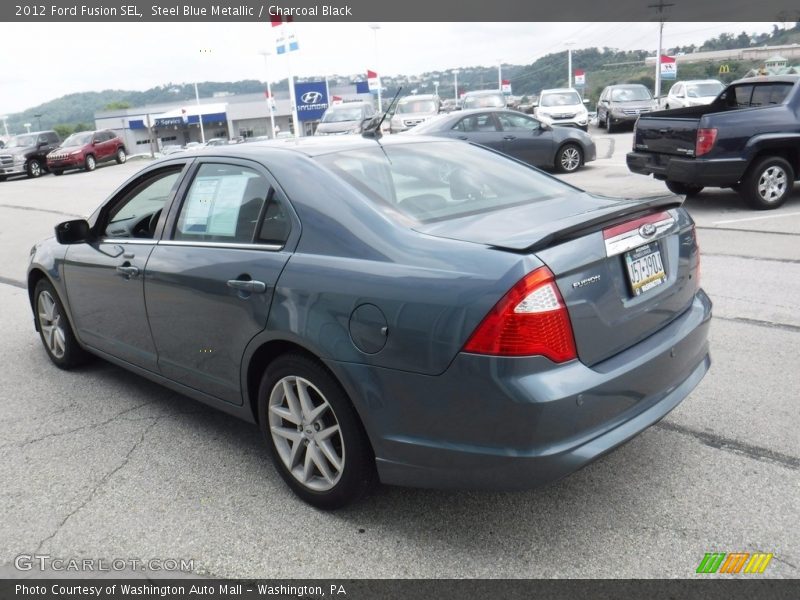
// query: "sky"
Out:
[145,55]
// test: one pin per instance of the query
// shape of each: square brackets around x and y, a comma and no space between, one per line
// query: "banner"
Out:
[669,69]
[373,81]
[311,99]
[506,86]
[580,78]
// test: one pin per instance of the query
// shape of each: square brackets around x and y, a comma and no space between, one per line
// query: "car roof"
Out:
[769,78]
[314,145]
[688,81]
[620,85]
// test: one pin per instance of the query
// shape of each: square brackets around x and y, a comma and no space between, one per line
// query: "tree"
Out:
[63,131]
[117,105]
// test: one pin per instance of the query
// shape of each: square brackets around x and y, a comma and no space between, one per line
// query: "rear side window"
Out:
[223,204]
[476,123]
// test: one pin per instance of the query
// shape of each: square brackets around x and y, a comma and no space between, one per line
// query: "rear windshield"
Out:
[761,94]
[485,101]
[700,90]
[437,181]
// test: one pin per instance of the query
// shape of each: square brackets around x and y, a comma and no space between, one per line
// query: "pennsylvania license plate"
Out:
[645,269]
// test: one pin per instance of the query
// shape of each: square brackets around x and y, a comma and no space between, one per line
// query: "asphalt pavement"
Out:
[99,463]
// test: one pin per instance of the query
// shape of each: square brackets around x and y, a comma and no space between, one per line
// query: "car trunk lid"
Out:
[625,269]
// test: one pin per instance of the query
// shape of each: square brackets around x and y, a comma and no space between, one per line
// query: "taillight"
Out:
[531,319]
[705,141]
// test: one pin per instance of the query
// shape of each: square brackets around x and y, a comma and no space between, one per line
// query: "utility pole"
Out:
[455,84]
[569,46]
[660,7]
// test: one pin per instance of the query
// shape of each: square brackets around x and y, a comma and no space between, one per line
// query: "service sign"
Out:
[669,68]
[311,99]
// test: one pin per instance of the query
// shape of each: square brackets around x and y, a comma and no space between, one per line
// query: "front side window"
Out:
[223,204]
[137,213]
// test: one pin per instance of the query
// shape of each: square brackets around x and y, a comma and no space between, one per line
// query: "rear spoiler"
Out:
[585,223]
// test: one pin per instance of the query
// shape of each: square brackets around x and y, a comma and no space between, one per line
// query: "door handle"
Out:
[509,137]
[248,285]
[462,137]
[128,271]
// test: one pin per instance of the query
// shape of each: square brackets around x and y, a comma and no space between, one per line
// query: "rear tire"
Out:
[299,402]
[55,330]
[121,156]
[768,183]
[683,189]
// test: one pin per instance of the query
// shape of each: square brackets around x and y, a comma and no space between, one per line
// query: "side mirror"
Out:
[73,232]
[535,103]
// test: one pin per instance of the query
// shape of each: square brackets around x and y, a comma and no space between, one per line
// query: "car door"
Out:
[45,144]
[104,278]
[209,282]
[479,128]
[526,139]
[106,145]
[676,96]
[602,106]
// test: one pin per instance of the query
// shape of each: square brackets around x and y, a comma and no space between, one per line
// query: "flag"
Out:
[286,43]
[362,87]
[336,99]
[669,70]
[278,20]
[506,86]
[580,77]
[373,80]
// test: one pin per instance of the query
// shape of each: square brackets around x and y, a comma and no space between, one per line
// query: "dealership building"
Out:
[222,116]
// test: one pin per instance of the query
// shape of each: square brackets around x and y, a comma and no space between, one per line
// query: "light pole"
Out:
[199,114]
[265,54]
[27,126]
[436,87]
[500,74]
[455,85]
[39,121]
[569,46]
[5,123]
[375,27]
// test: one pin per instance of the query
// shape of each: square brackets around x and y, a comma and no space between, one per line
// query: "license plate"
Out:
[645,269]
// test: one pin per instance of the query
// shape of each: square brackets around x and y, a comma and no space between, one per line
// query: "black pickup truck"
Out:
[747,139]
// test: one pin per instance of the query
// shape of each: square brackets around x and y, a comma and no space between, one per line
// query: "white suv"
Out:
[562,106]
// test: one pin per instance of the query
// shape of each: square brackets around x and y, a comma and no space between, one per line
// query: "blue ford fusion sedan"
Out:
[413,310]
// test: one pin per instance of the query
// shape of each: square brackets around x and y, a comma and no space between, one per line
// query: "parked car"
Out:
[693,93]
[410,111]
[348,117]
[562,106]
[499,330]
[483,99]
[746,140]
[216,142]
[84,150]
[519,135]
[26,154]
[449,105]
[622,104]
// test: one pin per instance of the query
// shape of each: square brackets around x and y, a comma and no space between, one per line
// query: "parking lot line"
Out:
[794,214]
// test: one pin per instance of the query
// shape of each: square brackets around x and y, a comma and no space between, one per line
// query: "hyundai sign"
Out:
[311,100]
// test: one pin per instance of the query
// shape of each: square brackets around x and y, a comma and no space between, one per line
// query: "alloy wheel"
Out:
[570,158]
[306,433]
[772,184]
[51,326]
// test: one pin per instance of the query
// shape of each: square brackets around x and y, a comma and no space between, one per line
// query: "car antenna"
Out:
[373,130]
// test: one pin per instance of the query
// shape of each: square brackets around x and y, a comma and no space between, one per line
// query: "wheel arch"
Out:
[570,142]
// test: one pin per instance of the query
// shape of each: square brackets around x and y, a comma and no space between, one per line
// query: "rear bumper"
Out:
[520,423]
[710,172]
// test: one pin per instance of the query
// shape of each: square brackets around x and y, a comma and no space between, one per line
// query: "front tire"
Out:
[768,183]
[90,163]
[683,189]
[569,158]
[121,157]
[315,437]
[54,328]
[609,124]
[33,168]
[57,172]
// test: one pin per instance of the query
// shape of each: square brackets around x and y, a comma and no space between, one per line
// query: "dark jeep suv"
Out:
[85,149]
[25,154]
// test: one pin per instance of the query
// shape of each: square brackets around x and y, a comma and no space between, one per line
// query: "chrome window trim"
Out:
[141,242]
[231,245]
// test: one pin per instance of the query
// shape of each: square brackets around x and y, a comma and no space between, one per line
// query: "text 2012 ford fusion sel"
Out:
[419,311]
